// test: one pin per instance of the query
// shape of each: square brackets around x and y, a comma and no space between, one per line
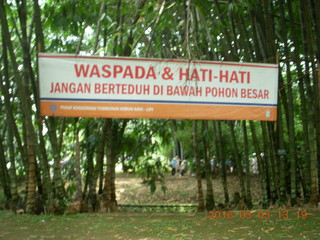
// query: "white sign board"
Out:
[118,87]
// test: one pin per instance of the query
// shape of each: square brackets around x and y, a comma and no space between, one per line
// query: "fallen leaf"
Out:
[171,229]
[118,236]
[268,230]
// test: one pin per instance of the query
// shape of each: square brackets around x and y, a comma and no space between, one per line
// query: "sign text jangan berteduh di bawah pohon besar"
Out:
[81,86]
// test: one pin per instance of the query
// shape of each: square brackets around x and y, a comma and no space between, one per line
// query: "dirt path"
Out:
[130,190]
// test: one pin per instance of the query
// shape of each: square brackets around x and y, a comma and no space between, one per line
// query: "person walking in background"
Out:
[183,167]
[174,165]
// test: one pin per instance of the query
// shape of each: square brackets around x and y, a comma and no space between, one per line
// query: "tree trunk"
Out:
[100,156]
[261,169]
[201,206]
[247,163]
[315,7]
[282,159]
[222,166]
[26,108]
[102,11]
[111,203]
[176,143]
[90,196]
[29,77]
[5,88]
[31,196]
[11,126]
[291,129]
[13,175]
[58,184]
[318,124]
[237,160]
[207,165]
[274,145]
[267,156]
[78,164]
[308,43]
[4,176]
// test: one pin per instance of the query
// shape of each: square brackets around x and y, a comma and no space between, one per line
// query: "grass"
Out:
[146,224]
[159,226]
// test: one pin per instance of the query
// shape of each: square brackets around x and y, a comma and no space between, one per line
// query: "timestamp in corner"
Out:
[255,214]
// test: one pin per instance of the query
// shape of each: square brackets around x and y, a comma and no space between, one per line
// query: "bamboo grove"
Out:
[41,157]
